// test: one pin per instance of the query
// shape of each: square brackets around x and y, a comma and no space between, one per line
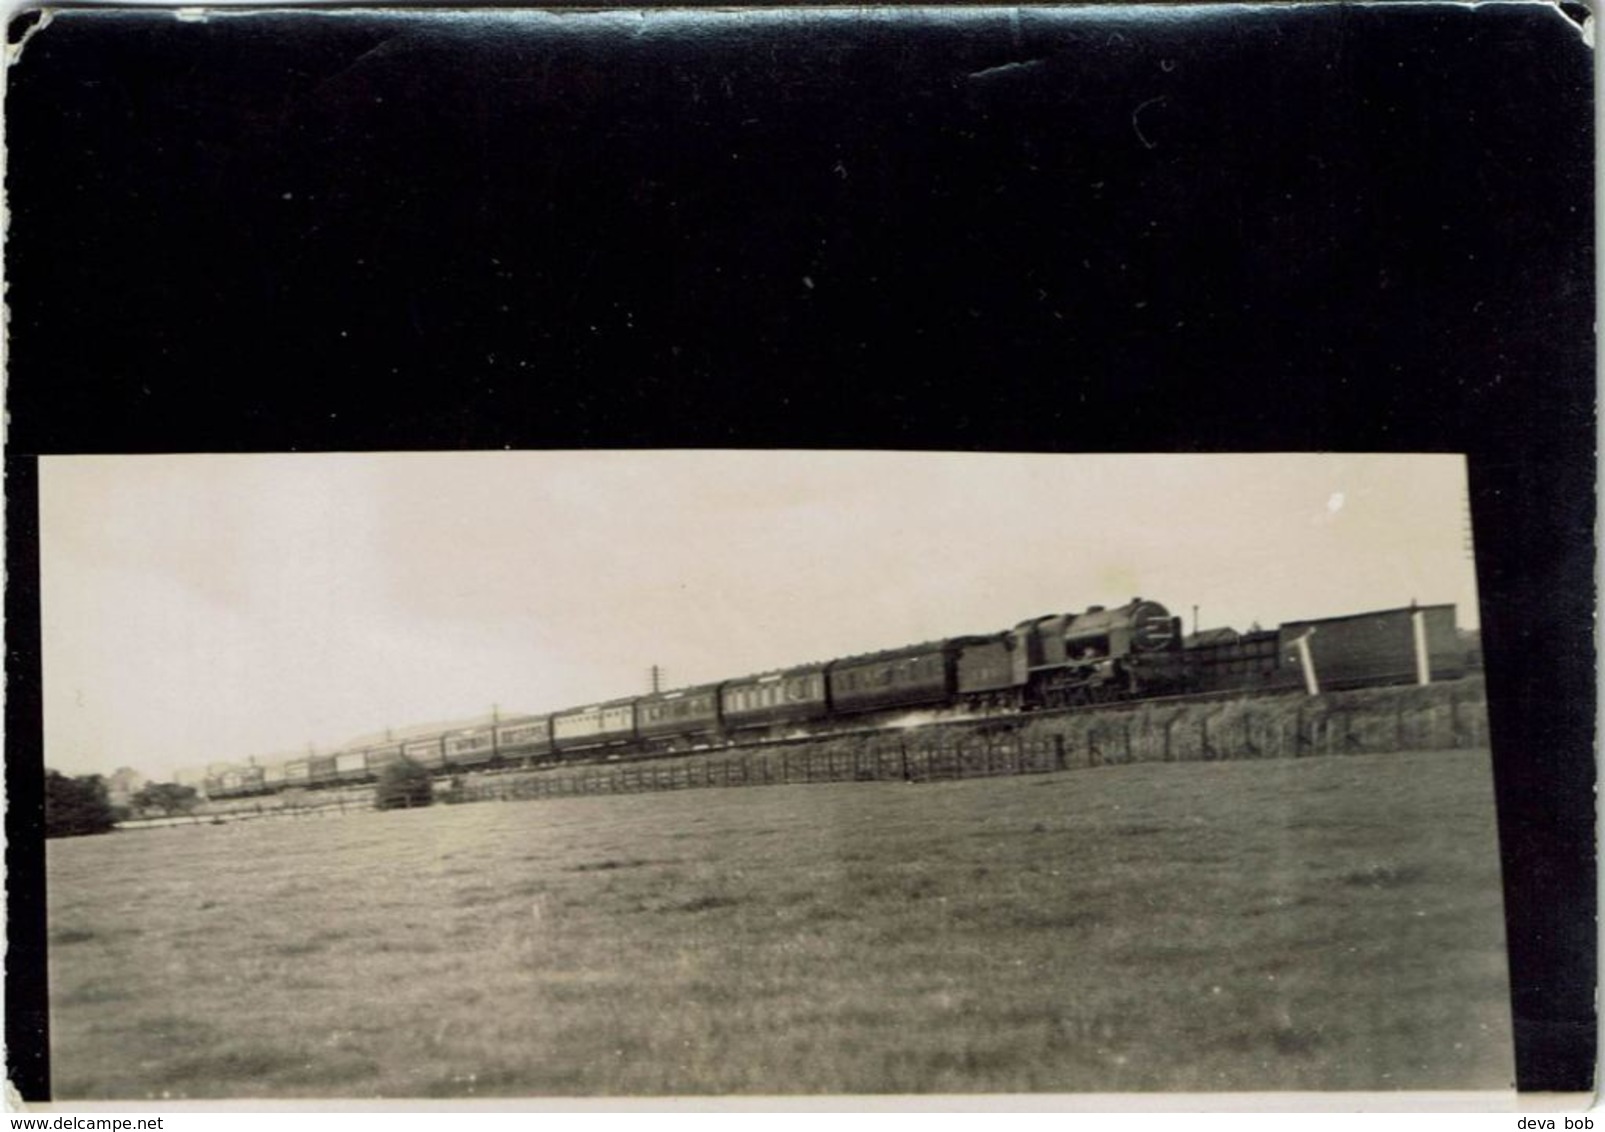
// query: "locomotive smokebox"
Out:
[1137,626]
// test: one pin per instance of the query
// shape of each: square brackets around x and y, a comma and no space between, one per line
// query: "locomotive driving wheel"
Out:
[1063,690]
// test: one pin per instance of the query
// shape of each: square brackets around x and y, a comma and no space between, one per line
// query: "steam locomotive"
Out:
[1135,651]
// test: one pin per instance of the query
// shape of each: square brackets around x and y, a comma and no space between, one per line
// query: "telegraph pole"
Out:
[657,678]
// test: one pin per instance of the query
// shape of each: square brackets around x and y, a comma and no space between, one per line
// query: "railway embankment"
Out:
[1287,725]
[1445,716]
[1448,716]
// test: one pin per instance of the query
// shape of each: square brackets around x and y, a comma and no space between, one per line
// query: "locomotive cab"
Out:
[1037,643]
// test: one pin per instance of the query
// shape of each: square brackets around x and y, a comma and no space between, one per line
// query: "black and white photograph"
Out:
[772,556]
[465,775]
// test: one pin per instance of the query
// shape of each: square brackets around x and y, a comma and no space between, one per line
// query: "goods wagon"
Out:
[1223,663]
[297,773]
[596,726]
[351,766]
[1390,646]
[685,711]
[789,695]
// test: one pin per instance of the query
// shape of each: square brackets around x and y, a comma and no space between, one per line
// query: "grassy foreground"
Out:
[1327,923]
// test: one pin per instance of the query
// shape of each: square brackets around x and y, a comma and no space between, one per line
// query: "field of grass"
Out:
[1327,923]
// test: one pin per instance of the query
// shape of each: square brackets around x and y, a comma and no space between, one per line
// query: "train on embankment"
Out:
[1134,652]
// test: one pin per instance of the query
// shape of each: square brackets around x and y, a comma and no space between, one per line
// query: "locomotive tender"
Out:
[1101,655]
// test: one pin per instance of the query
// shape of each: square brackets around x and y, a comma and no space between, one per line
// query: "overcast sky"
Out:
[206,608]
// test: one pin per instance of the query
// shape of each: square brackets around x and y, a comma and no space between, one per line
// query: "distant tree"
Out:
[168,797]
[76,806]
[404,785]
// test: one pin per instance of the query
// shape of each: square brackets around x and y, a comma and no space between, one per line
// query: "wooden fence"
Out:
[1179,733]
[308,804]
[1438,718]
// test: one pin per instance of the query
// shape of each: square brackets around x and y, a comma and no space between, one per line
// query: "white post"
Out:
[1307,662]
[1423,668]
